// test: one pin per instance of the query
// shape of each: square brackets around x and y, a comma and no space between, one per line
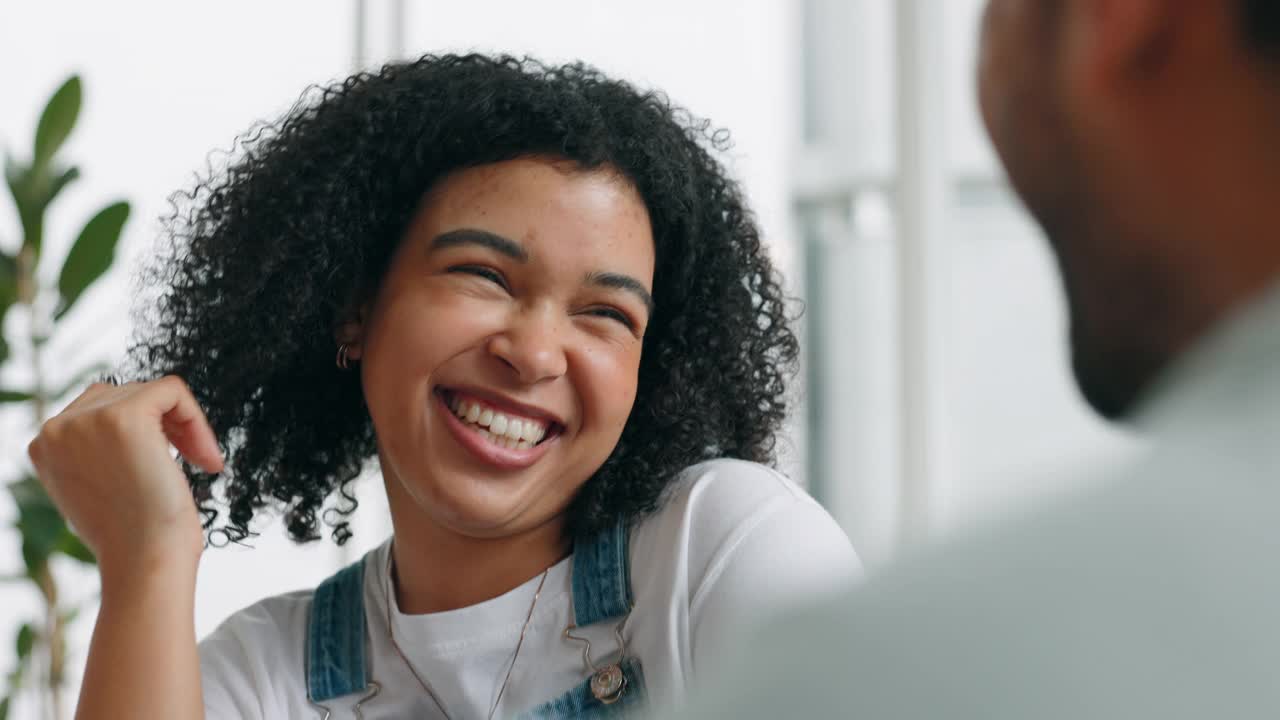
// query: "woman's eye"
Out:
[613,314]
[489,274]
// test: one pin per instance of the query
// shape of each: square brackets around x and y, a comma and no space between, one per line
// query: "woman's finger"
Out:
[170,401]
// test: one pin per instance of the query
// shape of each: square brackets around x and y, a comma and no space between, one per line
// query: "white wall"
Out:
[1004,422]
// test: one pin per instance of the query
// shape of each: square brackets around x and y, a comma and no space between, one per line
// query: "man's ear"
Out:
[1119,60]
[1111,44]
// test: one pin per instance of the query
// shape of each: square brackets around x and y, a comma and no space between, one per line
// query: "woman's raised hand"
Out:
[106,462]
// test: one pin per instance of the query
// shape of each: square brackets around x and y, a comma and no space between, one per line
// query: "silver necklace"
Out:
[391,634]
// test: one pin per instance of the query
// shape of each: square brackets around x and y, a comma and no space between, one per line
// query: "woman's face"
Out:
[500,356]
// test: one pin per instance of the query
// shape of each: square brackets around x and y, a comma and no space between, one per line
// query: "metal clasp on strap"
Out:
[373,688]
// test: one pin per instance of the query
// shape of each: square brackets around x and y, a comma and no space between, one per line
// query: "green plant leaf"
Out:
[59,182]
[26,640]
[71,546]
[57,120]
[92,254]
[4,708]
[35,563]
[33,189]
[20,180]
[40,532]
[8,281]
[39,524]
[16,396]
[10,396]
[8,295]
[28,492]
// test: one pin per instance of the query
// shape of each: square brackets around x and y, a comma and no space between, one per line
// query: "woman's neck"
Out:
[438,569]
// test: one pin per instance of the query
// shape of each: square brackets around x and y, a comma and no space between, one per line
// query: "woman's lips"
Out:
[480,443]
[502,425]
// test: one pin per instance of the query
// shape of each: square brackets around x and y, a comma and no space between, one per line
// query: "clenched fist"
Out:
[106,462]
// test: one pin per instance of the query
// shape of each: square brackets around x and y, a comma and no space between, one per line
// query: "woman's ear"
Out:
[350,332]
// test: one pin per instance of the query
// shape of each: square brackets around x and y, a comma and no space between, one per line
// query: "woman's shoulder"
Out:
[715,496]
[725,512]
[244,662]
[726,479]
[265,620]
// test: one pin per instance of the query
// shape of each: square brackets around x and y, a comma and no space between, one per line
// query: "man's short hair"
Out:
[1261,20]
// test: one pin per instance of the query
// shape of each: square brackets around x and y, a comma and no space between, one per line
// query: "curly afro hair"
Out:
[272,251]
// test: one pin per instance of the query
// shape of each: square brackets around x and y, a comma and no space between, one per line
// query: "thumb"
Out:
[195,441]
[186,427]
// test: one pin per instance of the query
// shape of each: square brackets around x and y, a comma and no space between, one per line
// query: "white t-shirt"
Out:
[731,542]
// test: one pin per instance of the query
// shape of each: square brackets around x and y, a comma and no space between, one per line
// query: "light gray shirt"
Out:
[1155,594]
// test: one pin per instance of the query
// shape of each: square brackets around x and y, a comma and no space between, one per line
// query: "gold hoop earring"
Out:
[343,360]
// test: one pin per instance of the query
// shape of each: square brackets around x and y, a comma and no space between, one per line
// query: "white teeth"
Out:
[532,433]
[514,429]
[498,426]
[500,429]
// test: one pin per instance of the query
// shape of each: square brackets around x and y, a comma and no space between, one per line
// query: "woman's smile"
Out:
[495,432]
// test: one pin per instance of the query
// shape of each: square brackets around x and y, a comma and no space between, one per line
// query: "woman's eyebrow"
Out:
[618,281]
[483,238]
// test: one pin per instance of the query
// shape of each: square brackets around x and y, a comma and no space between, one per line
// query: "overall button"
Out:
[608,684]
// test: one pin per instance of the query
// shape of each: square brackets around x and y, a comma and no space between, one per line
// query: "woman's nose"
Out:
[532,345]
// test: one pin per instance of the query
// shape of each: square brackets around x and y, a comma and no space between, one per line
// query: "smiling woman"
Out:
[496,305]
[558,334]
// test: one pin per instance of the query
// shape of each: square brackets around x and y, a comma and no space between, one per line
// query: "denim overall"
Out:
[601,593]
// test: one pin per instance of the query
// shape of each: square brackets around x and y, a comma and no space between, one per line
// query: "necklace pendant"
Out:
[608,684]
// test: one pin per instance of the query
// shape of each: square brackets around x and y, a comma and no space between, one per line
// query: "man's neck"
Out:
[1214,207]
[1234,249]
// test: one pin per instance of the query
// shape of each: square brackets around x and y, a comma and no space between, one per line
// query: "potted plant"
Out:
[41,642]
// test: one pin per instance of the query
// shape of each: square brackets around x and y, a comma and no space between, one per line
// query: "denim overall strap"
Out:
[601,592]
[602,576]
[336,635]
[580,704]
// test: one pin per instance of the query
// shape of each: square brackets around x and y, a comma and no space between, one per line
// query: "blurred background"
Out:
[935,386]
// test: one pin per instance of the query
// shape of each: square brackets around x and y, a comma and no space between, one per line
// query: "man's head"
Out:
[1144,136]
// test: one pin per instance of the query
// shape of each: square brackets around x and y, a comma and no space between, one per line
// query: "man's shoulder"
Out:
[1147,594]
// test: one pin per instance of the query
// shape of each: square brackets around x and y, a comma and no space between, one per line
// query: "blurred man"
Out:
[1144,136]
